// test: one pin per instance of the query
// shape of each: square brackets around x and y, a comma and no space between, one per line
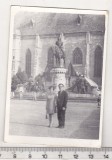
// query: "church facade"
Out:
[83,45]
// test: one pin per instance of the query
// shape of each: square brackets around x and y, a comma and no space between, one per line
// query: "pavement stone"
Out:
[27,118]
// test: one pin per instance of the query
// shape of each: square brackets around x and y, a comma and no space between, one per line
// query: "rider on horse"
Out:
[59,52]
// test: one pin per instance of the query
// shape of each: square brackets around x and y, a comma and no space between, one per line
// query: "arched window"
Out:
[28,63]
[50,64]
[77,56]
[98,58]
[50,57]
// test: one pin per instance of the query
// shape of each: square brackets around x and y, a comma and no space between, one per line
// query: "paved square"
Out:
[28,119]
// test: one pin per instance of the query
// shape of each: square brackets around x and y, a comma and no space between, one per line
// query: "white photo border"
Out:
[45,140]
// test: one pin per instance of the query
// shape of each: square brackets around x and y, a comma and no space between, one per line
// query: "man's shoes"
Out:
[60,127]
[49,126]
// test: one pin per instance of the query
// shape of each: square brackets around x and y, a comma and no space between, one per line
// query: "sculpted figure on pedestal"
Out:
[59,53]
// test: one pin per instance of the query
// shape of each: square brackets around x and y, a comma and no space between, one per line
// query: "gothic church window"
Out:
[50,64]
[77,56]
[28,62]
[50,57]
[98,62]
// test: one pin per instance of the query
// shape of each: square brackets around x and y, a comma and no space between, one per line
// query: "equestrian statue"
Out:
[59,53]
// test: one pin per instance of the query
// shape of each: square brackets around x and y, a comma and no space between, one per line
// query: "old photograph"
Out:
[56,75]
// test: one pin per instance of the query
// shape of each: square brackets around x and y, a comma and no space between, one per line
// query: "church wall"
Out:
[71,44]
[47,43]
[16,54]
[27,44]
[95,40]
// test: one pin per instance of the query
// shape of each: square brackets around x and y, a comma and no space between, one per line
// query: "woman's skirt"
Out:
[50,106]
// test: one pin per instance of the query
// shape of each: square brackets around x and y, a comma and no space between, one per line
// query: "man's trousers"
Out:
[61,117]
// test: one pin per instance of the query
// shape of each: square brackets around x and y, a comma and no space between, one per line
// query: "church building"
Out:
[35,35]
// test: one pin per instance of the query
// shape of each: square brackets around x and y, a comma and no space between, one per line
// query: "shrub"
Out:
[22,76]
[15,82]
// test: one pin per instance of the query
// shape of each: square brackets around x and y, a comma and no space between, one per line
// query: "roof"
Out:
[55,23]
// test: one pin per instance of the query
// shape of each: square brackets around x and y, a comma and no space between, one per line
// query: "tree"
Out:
[22,76]
[41,81]
[29,84]
[15,82]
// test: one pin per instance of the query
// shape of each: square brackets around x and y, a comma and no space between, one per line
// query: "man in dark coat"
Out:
[61,105]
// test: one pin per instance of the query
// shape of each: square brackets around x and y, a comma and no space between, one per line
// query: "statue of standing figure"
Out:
[59,52]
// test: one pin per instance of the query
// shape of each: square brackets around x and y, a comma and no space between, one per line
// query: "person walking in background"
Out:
[21,91]
[61,105]
[51,105]
[34,89]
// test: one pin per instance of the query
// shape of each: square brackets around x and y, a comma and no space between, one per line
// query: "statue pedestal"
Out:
[58,76]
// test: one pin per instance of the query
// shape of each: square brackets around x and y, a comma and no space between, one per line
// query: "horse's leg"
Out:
[59,61]
[64,60]
[56,60]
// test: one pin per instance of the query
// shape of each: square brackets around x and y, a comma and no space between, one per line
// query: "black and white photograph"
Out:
[56,76]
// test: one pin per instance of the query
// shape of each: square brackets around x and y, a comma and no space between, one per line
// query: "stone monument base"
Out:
[58,76]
